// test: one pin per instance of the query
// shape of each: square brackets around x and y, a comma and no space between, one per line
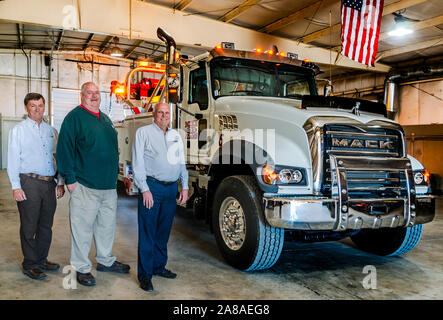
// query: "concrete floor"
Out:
[330,270]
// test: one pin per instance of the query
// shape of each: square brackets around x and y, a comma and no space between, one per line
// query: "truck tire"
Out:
[244,238]
[389,242]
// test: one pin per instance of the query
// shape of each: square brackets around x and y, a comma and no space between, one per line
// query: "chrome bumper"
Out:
[324,214]
[341,212]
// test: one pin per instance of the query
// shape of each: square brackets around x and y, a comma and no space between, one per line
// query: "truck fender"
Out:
[242,152]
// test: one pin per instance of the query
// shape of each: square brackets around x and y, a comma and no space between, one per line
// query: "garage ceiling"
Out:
[306,21]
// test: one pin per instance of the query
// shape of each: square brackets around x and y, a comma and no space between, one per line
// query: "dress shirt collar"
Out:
[33,122]
[156,126]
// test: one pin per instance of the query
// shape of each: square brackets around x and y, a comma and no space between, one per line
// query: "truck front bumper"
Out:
[345,211]
[313,213]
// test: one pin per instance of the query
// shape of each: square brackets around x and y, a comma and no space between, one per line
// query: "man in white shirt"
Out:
[31,171]
[158,162]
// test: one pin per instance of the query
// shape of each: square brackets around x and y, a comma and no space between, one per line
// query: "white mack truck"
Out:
[269,159]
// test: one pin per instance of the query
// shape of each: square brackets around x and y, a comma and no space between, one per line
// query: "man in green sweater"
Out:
[87,158]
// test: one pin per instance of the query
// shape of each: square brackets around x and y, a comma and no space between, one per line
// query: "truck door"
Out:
[196,137]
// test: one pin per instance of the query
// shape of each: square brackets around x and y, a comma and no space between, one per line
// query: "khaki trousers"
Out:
[92,213]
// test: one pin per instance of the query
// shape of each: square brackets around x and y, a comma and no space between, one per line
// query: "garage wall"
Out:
[361,86]
[66,78]
[421,113]
[14,81]
[421,103]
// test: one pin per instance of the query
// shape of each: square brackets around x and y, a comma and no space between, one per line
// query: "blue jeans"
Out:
[154,228]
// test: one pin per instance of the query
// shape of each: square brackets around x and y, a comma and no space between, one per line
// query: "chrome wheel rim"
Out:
[232,223]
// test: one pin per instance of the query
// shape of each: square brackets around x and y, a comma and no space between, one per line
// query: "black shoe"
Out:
[50,266]
[86,279]
[116,267]
[35,274]
[146,284]
[167,274]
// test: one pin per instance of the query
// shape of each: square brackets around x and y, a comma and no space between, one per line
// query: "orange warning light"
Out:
[143,63]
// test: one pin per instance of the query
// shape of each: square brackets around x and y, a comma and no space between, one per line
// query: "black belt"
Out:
[165,183]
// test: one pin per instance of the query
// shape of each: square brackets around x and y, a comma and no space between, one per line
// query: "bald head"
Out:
[157,105]
[162,115]
[90,96]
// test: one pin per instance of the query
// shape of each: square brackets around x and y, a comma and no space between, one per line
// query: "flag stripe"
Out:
[357,39]
[362,32]
[375,47]
[360,29]
[368,24]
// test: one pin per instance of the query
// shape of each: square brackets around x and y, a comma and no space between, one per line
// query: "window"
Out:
[198,88]
[234,76]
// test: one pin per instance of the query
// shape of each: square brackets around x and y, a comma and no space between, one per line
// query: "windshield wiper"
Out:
[248,91]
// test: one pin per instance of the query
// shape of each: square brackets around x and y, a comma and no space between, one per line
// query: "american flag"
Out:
[360,29]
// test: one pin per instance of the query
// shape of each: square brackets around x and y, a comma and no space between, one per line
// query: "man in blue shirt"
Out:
[31,171]
[158,162]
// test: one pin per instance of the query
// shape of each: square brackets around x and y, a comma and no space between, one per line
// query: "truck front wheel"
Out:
[244,238]
[388,242]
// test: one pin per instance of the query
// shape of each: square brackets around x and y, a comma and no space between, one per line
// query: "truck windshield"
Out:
[234,77]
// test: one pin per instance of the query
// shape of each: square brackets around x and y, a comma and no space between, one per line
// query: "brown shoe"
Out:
[50,266]
[35,274]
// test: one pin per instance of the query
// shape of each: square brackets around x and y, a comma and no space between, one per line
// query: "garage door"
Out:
[63,101]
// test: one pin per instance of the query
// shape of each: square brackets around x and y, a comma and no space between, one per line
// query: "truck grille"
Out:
[365,142]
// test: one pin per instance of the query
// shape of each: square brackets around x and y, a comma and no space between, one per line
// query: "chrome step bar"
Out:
[341,165]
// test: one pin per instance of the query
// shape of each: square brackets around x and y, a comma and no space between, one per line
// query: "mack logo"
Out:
[360,143]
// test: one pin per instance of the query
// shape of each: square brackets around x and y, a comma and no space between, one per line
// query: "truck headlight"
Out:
[418,178]
[422,178]
[282,175]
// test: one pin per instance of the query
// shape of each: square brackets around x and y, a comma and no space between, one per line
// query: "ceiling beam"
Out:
[234,13]
[410,48]
[295,16]
[388,9]
[136,44]
[105,43]
[182,5]
[91,35]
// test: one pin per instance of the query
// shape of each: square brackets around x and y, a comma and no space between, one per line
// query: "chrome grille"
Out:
[364,141]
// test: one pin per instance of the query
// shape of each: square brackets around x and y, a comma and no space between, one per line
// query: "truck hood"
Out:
[286,118]
[297,111]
